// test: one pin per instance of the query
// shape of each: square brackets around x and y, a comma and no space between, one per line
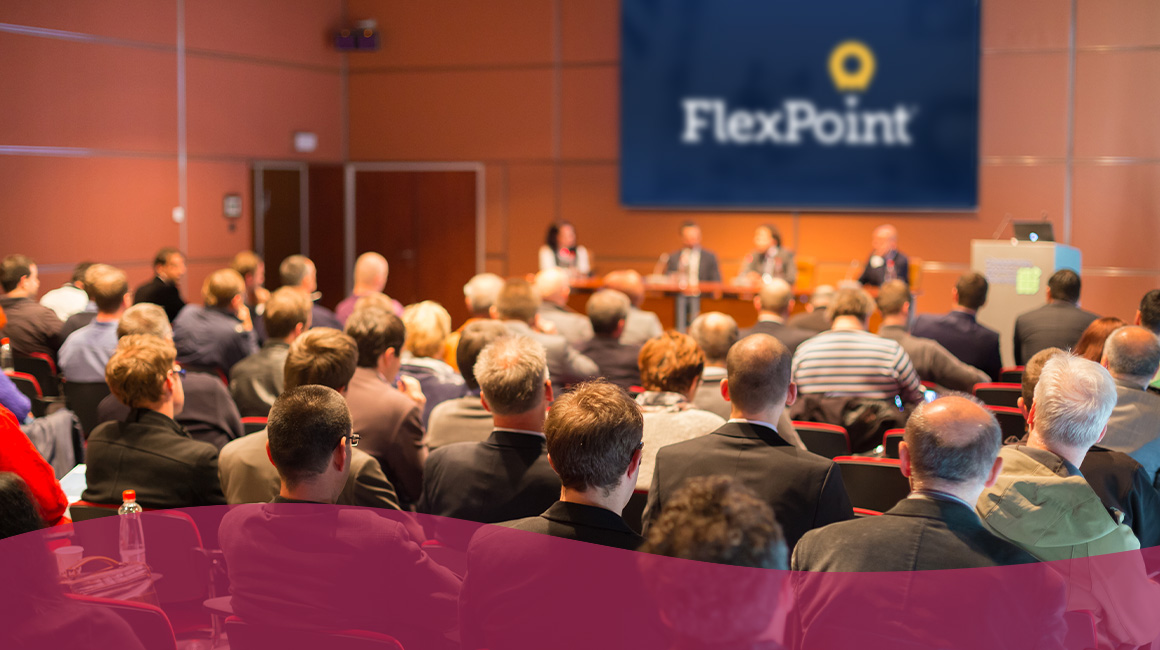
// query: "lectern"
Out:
[1017,272]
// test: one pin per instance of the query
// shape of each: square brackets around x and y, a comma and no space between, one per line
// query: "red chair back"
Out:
[1012,375]
[148,622]
[245,636]
[865,512]
[828,440]
[1011,421]
[39,366]
[999,394]
[890,441]
[873,483]
[26,383]
[254,424]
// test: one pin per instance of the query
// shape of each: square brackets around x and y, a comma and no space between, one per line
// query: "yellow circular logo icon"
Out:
[859,79]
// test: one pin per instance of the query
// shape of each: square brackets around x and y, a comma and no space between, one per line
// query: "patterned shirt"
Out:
[857,364]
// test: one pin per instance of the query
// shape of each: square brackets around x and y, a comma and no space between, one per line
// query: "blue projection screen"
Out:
[826,104]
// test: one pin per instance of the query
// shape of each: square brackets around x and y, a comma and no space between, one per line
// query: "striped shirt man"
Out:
[855,363]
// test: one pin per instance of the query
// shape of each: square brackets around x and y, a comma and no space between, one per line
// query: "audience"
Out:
[149,451]
[428,326]
[256,381]
[85,315]
[250,266]
[553,288]
[507,476]
[479,295]
[1132,356]
[85,352]
[959,332]
[464,419]
[639,325]
[607,311]
[715,333]
[1091,342]
[31,327]
[931,361]
[773,303]
[71,298]
[670,370]
[168,269]
[1148,317]
[219,334]
[370,276]
[516,306]
[324,357]
[1058,324]
[804,490]
[814,319]
[594,442]
[322,568]
[388,416]
[300,274]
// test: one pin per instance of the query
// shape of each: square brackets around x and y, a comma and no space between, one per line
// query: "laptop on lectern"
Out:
[1034,231]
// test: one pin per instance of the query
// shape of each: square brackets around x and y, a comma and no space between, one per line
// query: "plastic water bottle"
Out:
[132,538]
[6,363]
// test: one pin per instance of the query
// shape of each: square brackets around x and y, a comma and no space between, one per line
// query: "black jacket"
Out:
[583,523]
[617,361]
[160,292]
[962,335]
[1123,484]
[1057,324]
[790,336]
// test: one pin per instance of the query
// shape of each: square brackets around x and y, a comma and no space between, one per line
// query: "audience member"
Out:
[715,333]
[168,269]
[617,362]
[479,295]
[83,355]
[324,568]
[773,303]
[256,381]
[768,260]
[886,262]
[19,456]
[560,251]
[1091,342]
[31,328]
[149,452]
[848,361]
[950,454]
[670,370]
[1148,317]
[388,416]
[804,490]
[691,263]
[71,297]
[508,476]
[252,268]
[216,336]
[465,419]
[931,361]
[13,399]
[814,318]
[325,357]
[594,445]
[1042,503]
[516,306]
[640,325]
[1058,324]
[428,325]
[299,273]
[958,331]
[370,276]
[1132,356]
[553,289]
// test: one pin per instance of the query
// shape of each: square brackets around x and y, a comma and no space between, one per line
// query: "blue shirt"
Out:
[210,338]
[12,399]
[87,351]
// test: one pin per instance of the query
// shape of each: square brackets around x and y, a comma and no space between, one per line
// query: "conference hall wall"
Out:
[93,125]
[530,88]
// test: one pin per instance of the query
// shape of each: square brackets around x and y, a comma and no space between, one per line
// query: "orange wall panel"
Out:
[1025,192]
[590,30]
[1023,105]
[214,234]
[150,21]
[1118,22]
[1117,104]
[298,31]
[496,197]
[590,113]
[1116,209]
[1026,24]
[531,204]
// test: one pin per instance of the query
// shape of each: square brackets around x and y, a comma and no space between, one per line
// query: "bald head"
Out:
[552,285]
[775,297]
[1132,354]
[952,440]
[627,282]
[758,370]
[715,333]
[884,240]
[370,272]
[480,293]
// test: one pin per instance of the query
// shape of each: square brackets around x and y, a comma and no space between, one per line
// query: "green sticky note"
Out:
[1027,280]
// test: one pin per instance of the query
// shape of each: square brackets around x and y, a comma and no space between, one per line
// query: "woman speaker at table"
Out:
[560,251]
[768,259]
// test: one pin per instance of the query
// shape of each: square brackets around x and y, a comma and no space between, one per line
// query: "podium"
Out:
[1017,274]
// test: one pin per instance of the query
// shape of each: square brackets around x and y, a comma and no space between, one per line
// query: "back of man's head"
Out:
[1033,370]
[1133,354]
[322,356]
[822,296]
[481,292]
[78,274]
[1150,311]
[511,372]
[517,300]
[137,370]
[145,318]
[1073,401]
[305,426]
[551,283]
[371,270]
[670,362]
[474,338]
[606,309]
[12,269]
[294,269]
[592,432]
[758,370]
[851,302]
[221,287]
[892,297]
[628,282]
[715,332]
[1064,285]
[285,310]
[953,440]
[106,286]
[775,297]
[163,255]
[246,263]
[971,288]
[375,331]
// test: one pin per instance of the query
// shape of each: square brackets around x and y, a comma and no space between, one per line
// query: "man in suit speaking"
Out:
[692,263]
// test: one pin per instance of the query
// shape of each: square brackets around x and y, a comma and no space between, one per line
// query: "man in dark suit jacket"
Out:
[607,311]
[773,304]
[804,490]
[464,419]
[813,319]
[1058,324]
[508,476]
[691,262]
[168,269]
[886,261]
[959,332]
[516,306]
[299,272]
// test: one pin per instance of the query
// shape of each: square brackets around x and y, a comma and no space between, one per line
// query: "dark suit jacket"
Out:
[1123,484]
[582,523]
[32,328]
[918,534]
[876,276]
[77,321]
[458,420]
[391,427]
[804,489]
[617,361]
[709,270]
[210,414]
[152,454]
[322,317]
[813,321]
[160,292]
[962,336]
[1057,324]
[790,336]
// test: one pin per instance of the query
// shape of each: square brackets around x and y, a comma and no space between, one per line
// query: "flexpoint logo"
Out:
[852,67]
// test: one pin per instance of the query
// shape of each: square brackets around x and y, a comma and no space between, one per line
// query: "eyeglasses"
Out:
[179,371]
[640,446]
[354,438]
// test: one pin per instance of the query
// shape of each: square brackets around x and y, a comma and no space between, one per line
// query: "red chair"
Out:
[999,394]
[873,483]
[828,440]
[26,383]
[41,366]
[865,512]
[86,510]
[1011,421]
[1012,375]
[890,441]
[148,622]
[254,424]
[246,636]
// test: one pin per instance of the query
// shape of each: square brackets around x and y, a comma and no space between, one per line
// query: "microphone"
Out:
[663,262]
[999,231]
